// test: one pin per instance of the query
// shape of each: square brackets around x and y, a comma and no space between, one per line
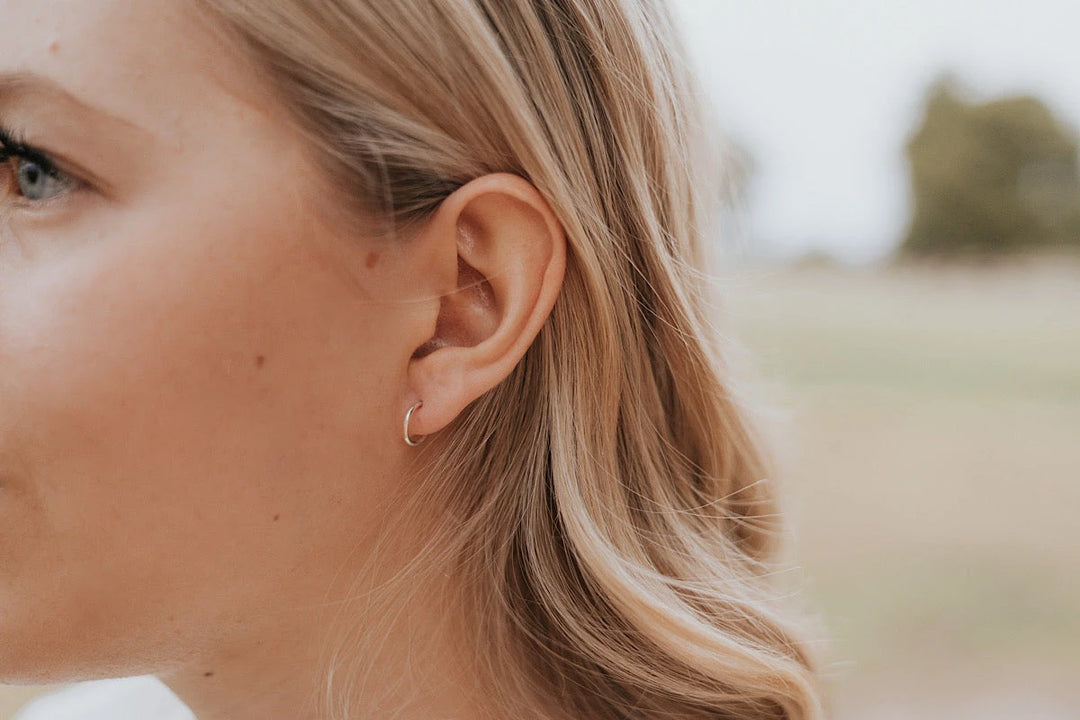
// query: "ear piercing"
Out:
[410,441]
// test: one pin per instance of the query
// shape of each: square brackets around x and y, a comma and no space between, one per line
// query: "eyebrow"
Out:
[22,84]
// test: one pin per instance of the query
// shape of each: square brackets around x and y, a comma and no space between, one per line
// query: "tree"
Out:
[991,178]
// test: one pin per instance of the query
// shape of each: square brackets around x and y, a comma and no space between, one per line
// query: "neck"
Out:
[397,657]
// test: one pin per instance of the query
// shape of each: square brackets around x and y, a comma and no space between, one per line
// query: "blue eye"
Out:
[29,176]
[37,180]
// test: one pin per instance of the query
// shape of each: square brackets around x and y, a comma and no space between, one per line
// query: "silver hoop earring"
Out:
[408,416]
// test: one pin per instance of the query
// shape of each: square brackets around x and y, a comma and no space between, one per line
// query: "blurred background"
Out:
[902,267]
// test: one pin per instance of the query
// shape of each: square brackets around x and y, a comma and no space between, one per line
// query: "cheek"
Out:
[175,407]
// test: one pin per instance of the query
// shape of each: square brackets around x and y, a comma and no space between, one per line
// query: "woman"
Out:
[357,364]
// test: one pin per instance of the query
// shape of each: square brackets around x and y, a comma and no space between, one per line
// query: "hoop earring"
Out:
[408,416]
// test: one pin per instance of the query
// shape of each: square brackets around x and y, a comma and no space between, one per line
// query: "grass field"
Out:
[928,423]
[929,426]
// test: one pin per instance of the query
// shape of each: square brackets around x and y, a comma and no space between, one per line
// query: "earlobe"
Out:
[509,253]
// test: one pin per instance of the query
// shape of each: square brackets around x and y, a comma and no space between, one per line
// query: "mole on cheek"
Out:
[277,517]
[372,260]
[260,361]
[208,673]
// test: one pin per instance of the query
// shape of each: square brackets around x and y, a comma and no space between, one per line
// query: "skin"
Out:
[203,376]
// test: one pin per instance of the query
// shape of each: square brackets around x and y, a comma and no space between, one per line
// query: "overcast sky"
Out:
[823,94]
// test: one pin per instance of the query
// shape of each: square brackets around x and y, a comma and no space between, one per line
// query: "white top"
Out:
[132,698]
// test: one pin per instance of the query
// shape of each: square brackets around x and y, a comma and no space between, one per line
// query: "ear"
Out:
[499,254]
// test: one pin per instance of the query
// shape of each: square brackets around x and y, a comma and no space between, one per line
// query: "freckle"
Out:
[372,259]
[277,517]
[208,673]
[260,361]
[54,46]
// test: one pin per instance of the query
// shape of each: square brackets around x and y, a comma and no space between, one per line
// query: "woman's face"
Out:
[200,382]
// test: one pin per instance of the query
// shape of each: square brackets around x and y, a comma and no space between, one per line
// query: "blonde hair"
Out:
[614,555]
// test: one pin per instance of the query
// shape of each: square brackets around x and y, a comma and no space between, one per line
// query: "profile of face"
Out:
[203,371]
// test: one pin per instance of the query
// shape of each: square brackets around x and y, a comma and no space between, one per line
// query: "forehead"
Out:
[152,63]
